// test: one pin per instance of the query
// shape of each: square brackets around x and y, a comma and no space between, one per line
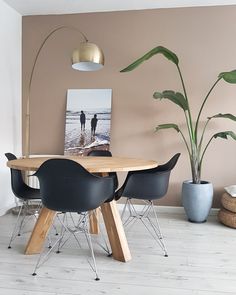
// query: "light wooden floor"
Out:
[202,261]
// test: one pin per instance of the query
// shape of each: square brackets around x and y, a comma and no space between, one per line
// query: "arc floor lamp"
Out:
[88,57]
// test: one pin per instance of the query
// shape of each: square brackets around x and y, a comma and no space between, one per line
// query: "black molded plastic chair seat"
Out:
[20,189]
[29,193]
[23,192]
[105,153]
[147,185]
[68,187]
[100,153]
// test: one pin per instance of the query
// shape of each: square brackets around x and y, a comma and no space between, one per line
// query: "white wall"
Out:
[10,96]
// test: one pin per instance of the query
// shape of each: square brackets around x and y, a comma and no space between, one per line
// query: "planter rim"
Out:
[190,182]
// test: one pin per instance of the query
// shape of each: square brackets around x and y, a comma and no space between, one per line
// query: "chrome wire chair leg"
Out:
[15,227]
[89,241]
[25,209]
[78,227]
[27,215]
[124,209]
[158,231]
[152,227]
[49,242]
[131,215]
[157,227]
[62,231]
[22,214]
[37,210]
[155,232]
[105,247]
[65,228]
[81,226]
[43,257]
[55,229]
[134,215]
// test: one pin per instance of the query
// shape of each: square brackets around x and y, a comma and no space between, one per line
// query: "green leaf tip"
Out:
[159,49]
[175,97]
[226,116]
[167,126]
[225,134]
[229,77]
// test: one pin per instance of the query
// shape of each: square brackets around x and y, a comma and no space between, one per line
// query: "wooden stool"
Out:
[227,215]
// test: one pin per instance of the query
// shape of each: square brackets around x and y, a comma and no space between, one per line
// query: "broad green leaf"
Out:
[225,135]
[159,49]
[226,116]
[175,97]
[229,77]
[167,126]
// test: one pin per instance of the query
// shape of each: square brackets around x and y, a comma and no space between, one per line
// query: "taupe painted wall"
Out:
[203,38]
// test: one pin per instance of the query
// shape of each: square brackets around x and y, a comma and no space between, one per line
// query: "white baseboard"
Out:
[161,209]
[166,209]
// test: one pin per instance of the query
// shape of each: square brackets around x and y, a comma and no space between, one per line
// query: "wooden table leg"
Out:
[40,231]
[115,231]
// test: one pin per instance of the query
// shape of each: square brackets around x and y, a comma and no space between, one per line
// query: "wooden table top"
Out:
[92,164]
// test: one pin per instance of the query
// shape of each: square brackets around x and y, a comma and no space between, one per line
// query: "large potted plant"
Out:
[197,194]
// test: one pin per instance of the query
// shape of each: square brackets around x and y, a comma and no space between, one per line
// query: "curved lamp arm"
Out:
[89,57]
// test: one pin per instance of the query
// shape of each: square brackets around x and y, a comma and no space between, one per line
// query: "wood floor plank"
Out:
[23,292]
[201,262]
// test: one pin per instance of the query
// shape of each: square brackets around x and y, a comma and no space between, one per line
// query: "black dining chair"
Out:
[105,153]
[25,194]
[68,187]
[146,185]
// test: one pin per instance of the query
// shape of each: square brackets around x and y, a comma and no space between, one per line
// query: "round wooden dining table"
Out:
[111,216]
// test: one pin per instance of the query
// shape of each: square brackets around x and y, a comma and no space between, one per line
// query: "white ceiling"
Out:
[40,7]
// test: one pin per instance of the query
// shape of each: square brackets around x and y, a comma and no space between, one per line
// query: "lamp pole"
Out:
[89,56]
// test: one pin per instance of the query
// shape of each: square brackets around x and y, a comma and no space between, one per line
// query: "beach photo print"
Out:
[88,120]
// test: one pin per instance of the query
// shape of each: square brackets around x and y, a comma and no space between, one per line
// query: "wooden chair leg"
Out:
[40,231]
[115,231]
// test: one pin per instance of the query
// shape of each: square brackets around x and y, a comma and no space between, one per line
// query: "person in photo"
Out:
[94,125]
[82,120]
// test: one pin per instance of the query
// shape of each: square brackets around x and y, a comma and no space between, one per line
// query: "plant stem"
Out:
[200,111]
[203,132]
[189,122]
[200,164]
[193,160]
[185,141]
[193,154]
[189,128]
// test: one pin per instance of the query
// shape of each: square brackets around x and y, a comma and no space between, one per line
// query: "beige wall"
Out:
[203,38]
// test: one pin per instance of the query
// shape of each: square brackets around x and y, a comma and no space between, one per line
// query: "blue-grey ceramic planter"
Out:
[197,200]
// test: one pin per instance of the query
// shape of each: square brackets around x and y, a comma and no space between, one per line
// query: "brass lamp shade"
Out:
[89,57]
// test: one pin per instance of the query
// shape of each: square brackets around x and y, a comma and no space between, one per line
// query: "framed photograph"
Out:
[88,120]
